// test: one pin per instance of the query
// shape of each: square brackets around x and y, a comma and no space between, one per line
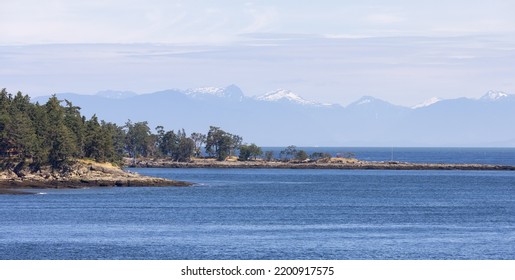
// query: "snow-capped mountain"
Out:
[429,102]
[282,95]
[493,95]
[231,91]
[282,118]
[365,100]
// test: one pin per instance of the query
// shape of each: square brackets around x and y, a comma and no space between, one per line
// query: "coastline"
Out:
[92,174]
[82,174]
[321,164]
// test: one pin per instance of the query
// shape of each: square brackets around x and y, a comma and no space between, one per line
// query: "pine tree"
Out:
[76,125]
[58,136]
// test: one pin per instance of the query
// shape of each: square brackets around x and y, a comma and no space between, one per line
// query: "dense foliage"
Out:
[53,133]
[56,133]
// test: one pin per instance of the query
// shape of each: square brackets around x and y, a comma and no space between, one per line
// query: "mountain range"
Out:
[282,118]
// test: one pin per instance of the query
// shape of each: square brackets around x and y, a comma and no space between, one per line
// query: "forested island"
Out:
[53,145]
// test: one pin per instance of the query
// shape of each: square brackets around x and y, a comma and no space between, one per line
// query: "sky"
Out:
[330,51]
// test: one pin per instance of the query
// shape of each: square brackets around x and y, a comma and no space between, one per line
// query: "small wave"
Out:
[41,193]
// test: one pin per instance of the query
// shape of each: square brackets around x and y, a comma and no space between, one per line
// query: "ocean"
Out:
[276,214]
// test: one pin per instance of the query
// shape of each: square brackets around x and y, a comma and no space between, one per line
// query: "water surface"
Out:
[271,214]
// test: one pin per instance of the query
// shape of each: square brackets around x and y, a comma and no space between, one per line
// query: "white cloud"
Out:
[202,21]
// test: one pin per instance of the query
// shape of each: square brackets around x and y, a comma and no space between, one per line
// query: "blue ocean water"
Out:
[271,214]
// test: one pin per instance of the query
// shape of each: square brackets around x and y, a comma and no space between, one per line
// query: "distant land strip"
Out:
[346,164]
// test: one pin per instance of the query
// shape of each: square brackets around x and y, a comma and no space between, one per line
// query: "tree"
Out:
[289,152]
[235,144]
[76,124]
[199,139]
[249,151]
[219,143]
[53,134]
[92,142]
[185,147]
[301,155]
[58,136]
[269,155]
[137,140]
[117,135]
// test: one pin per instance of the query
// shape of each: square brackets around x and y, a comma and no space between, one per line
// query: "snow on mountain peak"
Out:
[428,102]
[216,91]
[286,95]
[494,95]
[365,100]
[231,91]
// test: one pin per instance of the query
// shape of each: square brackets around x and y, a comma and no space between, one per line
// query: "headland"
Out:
[81,174]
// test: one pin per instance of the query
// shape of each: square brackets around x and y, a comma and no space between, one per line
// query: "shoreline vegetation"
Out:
[54,146]
[88,173]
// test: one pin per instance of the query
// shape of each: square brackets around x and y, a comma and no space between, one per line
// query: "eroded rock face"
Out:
[80,174]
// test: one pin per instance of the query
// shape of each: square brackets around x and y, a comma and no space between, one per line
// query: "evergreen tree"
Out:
[75,124]
[58,136]
[39,118]
[5,121]
[115,145]
[93,147]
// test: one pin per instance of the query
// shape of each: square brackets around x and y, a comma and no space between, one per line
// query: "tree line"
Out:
[55,133]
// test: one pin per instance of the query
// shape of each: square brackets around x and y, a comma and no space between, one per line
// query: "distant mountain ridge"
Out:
[281,117]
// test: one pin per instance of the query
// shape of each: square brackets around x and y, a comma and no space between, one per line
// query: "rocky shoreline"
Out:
[327,164]
[84,174]
[81,174]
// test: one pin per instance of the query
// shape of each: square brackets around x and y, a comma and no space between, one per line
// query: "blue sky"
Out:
[332,51]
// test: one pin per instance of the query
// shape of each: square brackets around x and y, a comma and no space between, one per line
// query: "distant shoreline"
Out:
[333,164]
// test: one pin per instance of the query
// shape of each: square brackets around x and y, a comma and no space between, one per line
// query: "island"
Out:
[53,145]
[326,163]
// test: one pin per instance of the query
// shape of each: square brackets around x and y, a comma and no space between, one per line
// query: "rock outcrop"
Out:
[82,173]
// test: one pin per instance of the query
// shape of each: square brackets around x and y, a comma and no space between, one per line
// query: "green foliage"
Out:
[199,139]
[288,153]
[53,134]
[301,155]
[138,139]
[60,138]
[249,151]
[177,146]
[291,152]
[220,143]
[269,155]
